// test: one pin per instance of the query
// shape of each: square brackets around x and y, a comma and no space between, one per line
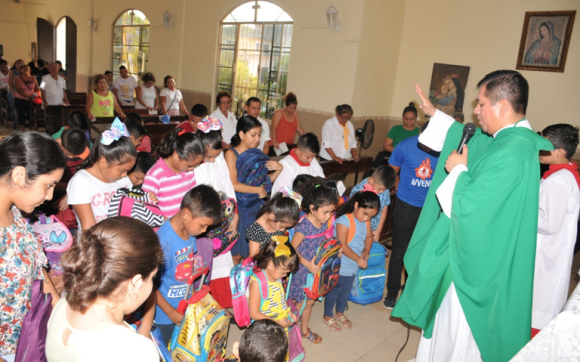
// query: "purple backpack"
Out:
[32,342]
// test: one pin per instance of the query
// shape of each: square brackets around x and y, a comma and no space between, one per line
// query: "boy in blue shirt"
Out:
[415,163]
[381,181]
[200,208]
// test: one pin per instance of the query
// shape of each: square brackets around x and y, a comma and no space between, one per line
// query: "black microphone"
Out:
[468,132]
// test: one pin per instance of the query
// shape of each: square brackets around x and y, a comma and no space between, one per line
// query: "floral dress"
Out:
[21,262]
[307,250]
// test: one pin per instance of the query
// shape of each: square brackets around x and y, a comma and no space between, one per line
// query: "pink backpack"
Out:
[55,238]
[135,203]
[239,282]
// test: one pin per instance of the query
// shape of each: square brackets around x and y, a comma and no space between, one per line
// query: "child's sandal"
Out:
[332,324]
[312,337]
[346,324]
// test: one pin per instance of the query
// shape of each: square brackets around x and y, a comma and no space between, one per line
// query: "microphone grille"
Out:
[469,128]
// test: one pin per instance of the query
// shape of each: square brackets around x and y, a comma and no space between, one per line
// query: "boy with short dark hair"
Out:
[557,225]
[143,164]
[301,160]
[201,207]
[134,123]
[76,120]
[198,112]
[381,181]
[263,341]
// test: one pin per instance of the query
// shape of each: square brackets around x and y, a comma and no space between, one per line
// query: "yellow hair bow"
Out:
[282,247]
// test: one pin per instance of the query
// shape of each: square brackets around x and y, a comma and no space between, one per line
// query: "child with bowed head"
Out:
[355,213]
[200,208]
[276,260]
[318,203]
[214,172]
[31,164]
[108,273]
[380,182]
[263,341]
[172,175]
[249,169]
[101,175]
[277,215]
[300,161]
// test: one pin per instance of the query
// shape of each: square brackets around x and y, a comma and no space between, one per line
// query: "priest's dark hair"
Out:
[563,136]
[309,141]
[509,85]
[365,199]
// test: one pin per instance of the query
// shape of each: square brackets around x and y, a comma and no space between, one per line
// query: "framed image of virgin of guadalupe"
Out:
[545,40]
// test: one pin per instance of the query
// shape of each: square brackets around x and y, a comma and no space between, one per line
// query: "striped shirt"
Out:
[168,186]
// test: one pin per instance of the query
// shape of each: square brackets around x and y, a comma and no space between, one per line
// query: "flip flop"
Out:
[346,324]
[312,337]
[332,324]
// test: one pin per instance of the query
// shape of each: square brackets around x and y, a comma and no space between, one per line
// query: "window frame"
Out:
[141,46]
[274,99]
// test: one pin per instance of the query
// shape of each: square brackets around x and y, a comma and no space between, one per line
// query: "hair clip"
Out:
[285,190]
[118,130]
[181,132]
[209,124]
[282,247]
[367,187]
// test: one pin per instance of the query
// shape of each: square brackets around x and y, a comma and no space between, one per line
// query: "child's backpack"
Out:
[135,203]
[239,282]
[252,171]
[32,340]
[56,239]
[222,241]
[369,283]
[202,335]
[296,352]
[327,258]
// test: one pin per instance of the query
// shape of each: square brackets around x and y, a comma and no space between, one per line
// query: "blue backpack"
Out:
[369,283]
[252,171]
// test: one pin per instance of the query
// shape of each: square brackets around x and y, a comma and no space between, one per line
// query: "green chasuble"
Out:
[487,248]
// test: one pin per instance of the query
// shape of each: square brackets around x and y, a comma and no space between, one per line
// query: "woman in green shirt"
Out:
[408,129]
[101,102]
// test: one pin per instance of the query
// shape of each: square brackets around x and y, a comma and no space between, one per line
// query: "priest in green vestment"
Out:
[471,258]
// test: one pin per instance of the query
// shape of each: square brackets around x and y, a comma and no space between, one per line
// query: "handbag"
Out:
[166,118]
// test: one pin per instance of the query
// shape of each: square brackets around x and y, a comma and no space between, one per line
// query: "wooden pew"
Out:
[155,131]
[330,167]
[158,131]
[68,109]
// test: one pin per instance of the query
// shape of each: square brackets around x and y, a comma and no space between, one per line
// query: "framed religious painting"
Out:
[447,89]
[545,40]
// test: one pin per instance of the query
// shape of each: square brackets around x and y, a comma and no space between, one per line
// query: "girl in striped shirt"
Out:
[172,175]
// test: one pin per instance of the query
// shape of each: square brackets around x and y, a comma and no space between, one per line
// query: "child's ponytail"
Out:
[187,145]
[280,252]
[365,199]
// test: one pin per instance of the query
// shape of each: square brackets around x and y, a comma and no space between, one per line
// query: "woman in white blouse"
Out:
[224,102]
[147,94]
[171,98]
[338,140]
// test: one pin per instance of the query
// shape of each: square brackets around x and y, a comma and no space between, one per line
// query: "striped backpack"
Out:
[135,203]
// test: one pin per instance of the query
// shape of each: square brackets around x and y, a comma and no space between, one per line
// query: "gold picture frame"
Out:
[545,40]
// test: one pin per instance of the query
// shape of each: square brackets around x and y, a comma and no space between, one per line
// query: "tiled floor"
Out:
[375,335]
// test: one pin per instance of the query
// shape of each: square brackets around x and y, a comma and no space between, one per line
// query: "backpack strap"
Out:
[263,284]
[351,228]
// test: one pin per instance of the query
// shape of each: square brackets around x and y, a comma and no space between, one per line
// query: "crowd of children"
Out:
[213,204]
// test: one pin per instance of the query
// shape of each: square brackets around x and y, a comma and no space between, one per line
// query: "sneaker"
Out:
[390,300]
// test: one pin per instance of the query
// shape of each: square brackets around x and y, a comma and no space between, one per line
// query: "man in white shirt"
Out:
[253,107]
[124,86]
[300,161]
[53,91]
